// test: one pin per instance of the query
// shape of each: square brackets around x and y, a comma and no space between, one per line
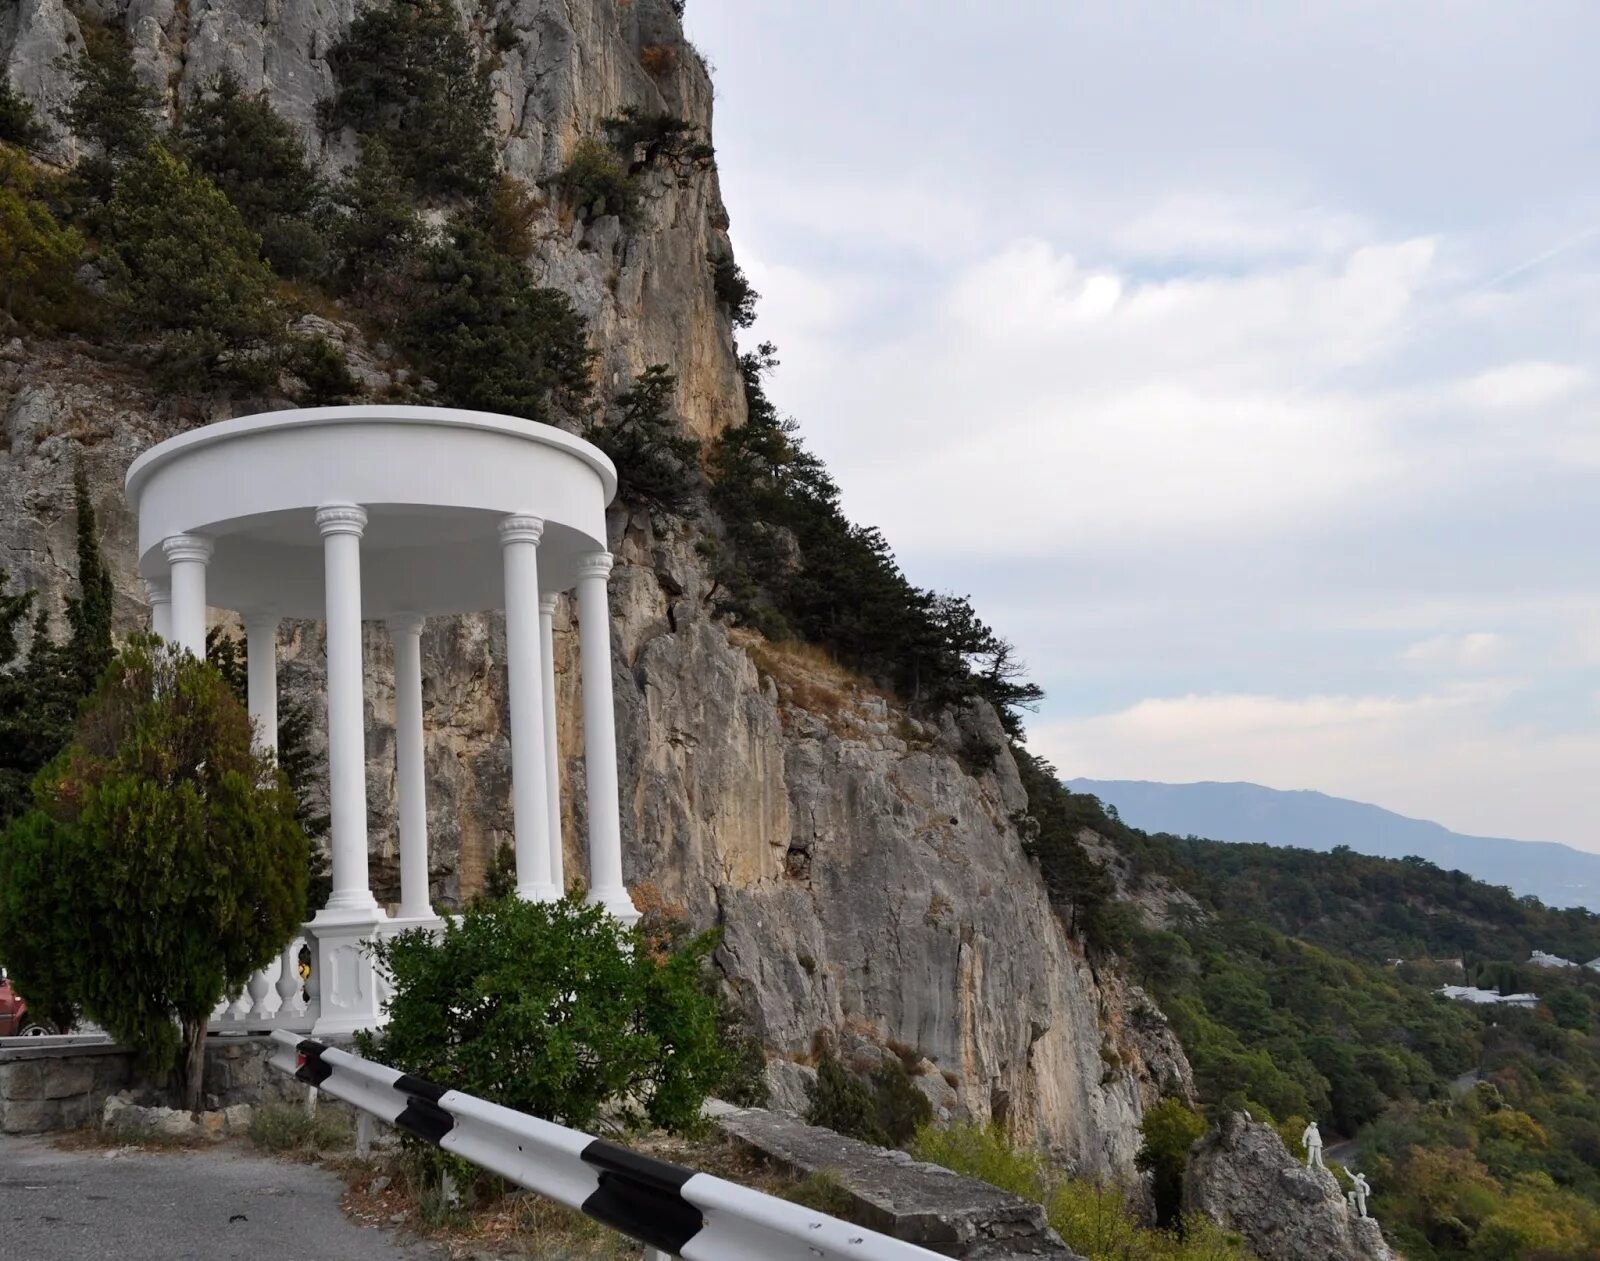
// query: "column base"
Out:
[348,983]
[545,892]
[618,901]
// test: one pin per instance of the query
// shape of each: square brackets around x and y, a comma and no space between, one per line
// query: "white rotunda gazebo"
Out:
[393,513]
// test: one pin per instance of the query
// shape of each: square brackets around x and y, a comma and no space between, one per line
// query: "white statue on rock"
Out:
[1312,1141]
[1358,1194]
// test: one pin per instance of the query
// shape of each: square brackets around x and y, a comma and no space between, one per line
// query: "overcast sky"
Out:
[1239,360]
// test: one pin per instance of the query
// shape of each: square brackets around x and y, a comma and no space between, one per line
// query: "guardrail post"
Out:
[363,1136]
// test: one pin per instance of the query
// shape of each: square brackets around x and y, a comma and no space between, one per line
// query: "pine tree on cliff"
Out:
[39,696]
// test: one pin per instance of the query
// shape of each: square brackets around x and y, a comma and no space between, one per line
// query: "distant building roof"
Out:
[1472,994]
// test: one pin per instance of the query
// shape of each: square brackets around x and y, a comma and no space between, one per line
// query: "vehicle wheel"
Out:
[37,1031]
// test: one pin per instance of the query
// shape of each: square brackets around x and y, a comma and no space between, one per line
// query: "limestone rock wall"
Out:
[870,884]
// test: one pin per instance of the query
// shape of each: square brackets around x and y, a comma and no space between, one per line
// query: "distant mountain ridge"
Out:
[1558,875]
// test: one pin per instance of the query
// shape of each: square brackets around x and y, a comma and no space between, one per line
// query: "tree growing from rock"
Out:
[162,862]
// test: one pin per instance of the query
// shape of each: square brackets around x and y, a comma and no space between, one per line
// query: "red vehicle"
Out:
[13,1010]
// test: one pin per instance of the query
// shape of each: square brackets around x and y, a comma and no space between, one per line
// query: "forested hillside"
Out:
[1301,985]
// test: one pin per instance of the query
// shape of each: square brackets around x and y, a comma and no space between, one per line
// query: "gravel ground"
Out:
[220,1203]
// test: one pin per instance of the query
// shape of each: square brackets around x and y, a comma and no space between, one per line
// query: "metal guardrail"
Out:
[676,1211]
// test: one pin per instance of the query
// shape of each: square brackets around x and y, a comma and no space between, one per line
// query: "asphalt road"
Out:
[222,1203]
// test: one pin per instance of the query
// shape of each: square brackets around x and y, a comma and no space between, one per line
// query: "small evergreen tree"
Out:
[111,110]
[407,76]
[733,289]
[256,159]
[594,182]
[162,861]
[19,124]
[183,266]
[376,231]
[646,140]
[487,337]
[39,697]
[657,463]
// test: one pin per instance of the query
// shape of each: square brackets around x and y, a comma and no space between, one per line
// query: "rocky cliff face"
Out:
[871,887]
[1243,1177]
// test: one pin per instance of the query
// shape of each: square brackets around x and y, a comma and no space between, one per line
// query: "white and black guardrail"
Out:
[678,1211]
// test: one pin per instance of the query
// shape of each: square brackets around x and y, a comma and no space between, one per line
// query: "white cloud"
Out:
[1202,223]
[1476,650]
[1523,385]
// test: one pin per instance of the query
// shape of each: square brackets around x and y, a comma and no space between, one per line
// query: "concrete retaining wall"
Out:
[62,1087]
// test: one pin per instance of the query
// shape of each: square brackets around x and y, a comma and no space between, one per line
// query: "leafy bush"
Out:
[885,1109]
[486,337]
[984,1152]
[555,1009]
[19,125]
[323,371]
[657,463]
[408,77]
[162,777]
[38,256]
[182,265]
[734,290]
[257,160]
[594,182]
[842,1102]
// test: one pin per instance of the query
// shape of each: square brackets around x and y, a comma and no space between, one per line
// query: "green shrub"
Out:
[285,1127]
[1168,1130]
[823,1193]
[257,160]
[486,337]
[594,182]
[182,265]
[984,1152]
[657,463]
[843,1103]
[323,371]
[885,1109]
[163,857]
[555,1009]
[407,76]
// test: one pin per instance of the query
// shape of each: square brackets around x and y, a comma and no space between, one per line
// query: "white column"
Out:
[187,556]
[341,526]
[552,751]
[159,591]
[261,654]
[519,547]
[345,984]
[600,739]
[405,631]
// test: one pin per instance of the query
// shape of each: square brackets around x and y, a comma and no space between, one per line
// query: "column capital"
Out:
[341,519]
[594,565]
[182,547]
[260,619]
[158,591]
[521,527]
[547,603]
[405,623]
